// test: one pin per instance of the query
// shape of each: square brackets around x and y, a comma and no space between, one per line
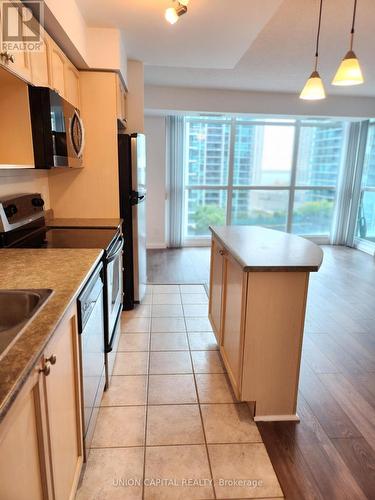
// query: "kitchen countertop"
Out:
[85,223]
[260,249]
[63,270]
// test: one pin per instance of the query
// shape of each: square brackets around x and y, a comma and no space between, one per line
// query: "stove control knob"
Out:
[10,210]
[37,202]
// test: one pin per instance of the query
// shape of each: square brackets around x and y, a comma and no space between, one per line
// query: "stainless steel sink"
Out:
[17,308]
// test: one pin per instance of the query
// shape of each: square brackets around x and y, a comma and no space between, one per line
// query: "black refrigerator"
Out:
[132,190]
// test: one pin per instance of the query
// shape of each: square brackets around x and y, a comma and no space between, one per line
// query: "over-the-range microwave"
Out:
[57,130]
[38,127]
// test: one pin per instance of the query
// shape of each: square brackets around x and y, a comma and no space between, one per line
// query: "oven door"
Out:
[114,285]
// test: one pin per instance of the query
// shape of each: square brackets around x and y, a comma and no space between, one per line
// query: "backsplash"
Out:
[25,181]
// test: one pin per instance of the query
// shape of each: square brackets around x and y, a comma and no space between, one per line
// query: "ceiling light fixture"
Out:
[314,88]
[173,14]
[349,72]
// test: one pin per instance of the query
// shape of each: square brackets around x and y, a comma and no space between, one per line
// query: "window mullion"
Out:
[231,170]
[293,175]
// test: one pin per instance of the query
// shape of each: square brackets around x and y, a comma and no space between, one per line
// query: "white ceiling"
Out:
[263,45]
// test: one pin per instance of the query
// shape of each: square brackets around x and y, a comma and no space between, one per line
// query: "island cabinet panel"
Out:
[41,445]
[233,320]
[22,460]
[258,292]
[275,313]
[63,408]
[216,288]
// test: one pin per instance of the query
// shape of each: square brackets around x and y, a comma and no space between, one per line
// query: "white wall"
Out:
[182,99]
[25,181]
[106,50]
[87,47]
[156,182]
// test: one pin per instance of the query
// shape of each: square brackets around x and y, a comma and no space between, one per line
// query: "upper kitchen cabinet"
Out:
[63,75]
[18,62]
[121,101]
[71,84]
[57,61]
[39,64]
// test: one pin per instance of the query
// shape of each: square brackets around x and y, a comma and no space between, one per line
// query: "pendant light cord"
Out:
[353,23]
[318,34]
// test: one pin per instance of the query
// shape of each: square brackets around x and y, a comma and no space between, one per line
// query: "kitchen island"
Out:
[258,292]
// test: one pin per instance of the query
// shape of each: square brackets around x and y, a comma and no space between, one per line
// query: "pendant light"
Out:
[314,88]
[349,72]
[173,14]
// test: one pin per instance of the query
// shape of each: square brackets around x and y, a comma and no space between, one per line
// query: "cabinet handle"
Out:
[46,370]
[7,57]
[52,359]
[222,252]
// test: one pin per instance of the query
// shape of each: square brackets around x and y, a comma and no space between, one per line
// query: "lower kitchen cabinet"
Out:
[41,444]
[233,321]
[63,406]
[216,287]
[23,448]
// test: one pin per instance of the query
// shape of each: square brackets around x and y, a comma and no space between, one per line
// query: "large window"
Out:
[366,212]
[276,173]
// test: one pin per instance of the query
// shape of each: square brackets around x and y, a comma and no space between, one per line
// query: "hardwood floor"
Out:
[330,454]
[186,265]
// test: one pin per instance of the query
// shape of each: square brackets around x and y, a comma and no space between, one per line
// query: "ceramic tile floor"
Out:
[169,427]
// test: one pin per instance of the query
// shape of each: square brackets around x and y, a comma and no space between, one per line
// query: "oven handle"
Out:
[109,348]
[116,251]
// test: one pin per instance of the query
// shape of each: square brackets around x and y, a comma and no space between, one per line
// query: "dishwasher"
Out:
[91,334]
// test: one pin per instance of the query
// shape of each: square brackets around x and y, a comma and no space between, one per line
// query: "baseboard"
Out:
[277,418]
[156,246]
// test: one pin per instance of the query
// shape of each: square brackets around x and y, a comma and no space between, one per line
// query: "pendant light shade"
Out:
[314,88]
[171,15]
[349,71]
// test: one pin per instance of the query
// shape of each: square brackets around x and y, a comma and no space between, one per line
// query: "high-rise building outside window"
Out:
[278,173]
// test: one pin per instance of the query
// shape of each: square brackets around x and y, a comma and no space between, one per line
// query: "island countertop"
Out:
[260,249]
[65,271]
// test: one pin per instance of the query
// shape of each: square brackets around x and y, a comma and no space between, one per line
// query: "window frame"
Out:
[298,124]
[360,189]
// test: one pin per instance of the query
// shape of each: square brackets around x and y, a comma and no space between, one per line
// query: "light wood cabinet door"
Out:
[57,61]
[41,444]
[39,62]
[216,288]
[23,466]
[72,91]
[63,407]
[233,320]
[18,62]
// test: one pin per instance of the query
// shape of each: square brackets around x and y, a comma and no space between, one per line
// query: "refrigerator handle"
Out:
[136,198]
